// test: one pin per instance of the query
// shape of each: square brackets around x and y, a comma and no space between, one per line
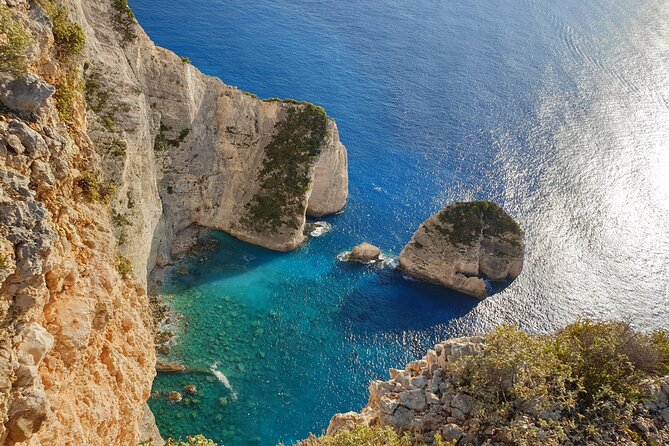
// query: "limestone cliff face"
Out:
[462,243]
[185,149]
[92,199]
[76,353]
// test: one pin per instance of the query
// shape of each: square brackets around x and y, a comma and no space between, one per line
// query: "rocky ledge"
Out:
[586,384]
[461,244]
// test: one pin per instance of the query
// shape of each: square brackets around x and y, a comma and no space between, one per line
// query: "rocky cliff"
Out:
[463,243]
[592,383]
[111,149]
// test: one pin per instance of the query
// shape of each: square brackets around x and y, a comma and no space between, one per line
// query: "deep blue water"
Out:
[559,111]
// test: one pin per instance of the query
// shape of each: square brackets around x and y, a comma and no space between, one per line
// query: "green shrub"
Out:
[162,142]
[94,190]
[360,436]
[14,41]
[464,222]
[185,59]
[124,20]
[580,385]
[69,40]
[69,88]
[368,436]
[198,440]
[68,36]
[123,266]
[284,176]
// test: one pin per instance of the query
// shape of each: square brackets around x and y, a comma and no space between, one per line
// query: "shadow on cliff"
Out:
[217,256]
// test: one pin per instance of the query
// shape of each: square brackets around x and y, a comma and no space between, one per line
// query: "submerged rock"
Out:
[169,367]
[463,243]
[364,252]
[174,397]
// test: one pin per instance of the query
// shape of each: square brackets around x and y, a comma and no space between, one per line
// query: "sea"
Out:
[556,110]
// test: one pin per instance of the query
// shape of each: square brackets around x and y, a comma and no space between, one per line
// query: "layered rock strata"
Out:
[464,243]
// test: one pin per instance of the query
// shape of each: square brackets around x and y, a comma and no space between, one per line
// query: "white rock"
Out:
[37,342]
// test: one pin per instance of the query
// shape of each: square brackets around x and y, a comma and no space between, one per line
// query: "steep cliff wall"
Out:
[184,148]
[99,178]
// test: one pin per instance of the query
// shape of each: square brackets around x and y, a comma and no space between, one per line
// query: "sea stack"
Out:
[463,243]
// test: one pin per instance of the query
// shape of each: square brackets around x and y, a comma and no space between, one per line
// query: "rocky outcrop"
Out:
[109,152]
[463,243]
[364,252]
[184,149]
[430,396]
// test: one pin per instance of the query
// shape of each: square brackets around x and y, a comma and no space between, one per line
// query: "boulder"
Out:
[27,94]
[463,244]
[169,367]
[365,252]
[174,397]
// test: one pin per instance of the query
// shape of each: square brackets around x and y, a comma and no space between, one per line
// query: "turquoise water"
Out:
[557,111]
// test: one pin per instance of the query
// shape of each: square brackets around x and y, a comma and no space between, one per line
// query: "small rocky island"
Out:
[461,244]
[364,252]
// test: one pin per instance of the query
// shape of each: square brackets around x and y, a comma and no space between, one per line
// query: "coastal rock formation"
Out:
[462,243]
[110,149]
[364,252]
[438,394]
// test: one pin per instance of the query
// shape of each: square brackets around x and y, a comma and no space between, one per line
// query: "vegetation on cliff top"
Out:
[367,436]
[581,385]
[465,222]
[284,176]
[14,41]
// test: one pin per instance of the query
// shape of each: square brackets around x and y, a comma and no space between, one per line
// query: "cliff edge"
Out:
[590,383]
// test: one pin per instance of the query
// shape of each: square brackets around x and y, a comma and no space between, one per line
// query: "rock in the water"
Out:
[190,389]
[169,367]
[174,397]
[460,245]
[365,252]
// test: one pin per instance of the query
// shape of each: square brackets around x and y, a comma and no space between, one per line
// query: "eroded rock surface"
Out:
[364,252]
[463,243]
[109,153]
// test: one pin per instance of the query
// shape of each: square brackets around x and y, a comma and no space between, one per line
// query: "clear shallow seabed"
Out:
[557,110]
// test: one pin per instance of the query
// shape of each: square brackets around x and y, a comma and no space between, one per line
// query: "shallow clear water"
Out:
[560,112]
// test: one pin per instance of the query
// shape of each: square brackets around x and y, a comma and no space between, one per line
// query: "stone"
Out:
[174,397]
[365,252]
[26,415]
[413,399]
[36,146]
[451,432]
[37,342]
[190,389]
[419,382]
[27,94]
[462,402]
[464,243]
[169,367]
